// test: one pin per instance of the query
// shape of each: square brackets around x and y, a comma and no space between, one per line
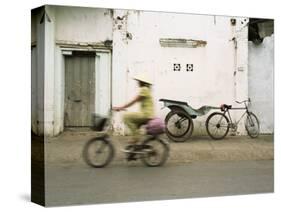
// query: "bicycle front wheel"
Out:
[179,126]
[98,152]
[217,125]
[252,125]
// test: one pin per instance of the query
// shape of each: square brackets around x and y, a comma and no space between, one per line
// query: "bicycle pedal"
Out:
[138,152]
[132,151]
[127,151]
[147,150]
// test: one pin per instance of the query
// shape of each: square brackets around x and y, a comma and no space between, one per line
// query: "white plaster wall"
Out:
[211,82]
[49,73]
[59,84]
[240,74]
[83,24]
[261,82]
[34,22]
[103,83]
[37,72]
[70,25]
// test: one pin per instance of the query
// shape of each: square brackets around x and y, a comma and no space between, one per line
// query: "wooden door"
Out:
[79,89]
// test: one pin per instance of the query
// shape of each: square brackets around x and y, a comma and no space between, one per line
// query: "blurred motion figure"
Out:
[133,120]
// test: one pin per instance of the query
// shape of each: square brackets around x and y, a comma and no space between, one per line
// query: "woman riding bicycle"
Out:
[152,151]
[133,120]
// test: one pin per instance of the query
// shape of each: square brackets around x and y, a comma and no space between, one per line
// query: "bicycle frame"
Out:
[237,108]
[108,127]
[229,116]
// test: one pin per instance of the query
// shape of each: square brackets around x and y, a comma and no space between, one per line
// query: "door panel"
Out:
[79,90]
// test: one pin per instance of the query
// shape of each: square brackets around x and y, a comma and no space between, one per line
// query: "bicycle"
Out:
[99,151]
[218,124]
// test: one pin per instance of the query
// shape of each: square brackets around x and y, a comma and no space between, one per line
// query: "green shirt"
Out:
[147,102]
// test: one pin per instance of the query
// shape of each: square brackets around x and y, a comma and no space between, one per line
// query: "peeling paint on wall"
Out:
[181,42]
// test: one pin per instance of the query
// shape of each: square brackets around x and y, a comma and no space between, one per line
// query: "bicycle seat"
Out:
[228,106]
[225,106]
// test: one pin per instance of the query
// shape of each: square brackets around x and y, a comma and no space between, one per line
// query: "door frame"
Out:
[74,105]
[64,51]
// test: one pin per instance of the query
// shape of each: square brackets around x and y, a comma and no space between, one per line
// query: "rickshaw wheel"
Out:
[178,125]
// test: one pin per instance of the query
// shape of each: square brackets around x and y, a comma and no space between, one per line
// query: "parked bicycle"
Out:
[219,123]
[99,151]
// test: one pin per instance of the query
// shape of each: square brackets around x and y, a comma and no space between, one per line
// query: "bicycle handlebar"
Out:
[248,100]
[240,102]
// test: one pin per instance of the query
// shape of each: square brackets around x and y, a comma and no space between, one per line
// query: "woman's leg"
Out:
[134,120]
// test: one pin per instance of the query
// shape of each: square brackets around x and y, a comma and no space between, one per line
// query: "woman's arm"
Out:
[136,99]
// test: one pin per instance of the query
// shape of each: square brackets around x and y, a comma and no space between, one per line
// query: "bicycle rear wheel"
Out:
[98,152]
[178,126]
[252,125]
[217,125]
[157,152]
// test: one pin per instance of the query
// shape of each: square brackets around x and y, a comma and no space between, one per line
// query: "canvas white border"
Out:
[15,104]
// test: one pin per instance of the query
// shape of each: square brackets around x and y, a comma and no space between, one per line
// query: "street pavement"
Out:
[200,167]
[73,184]
[67,148]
